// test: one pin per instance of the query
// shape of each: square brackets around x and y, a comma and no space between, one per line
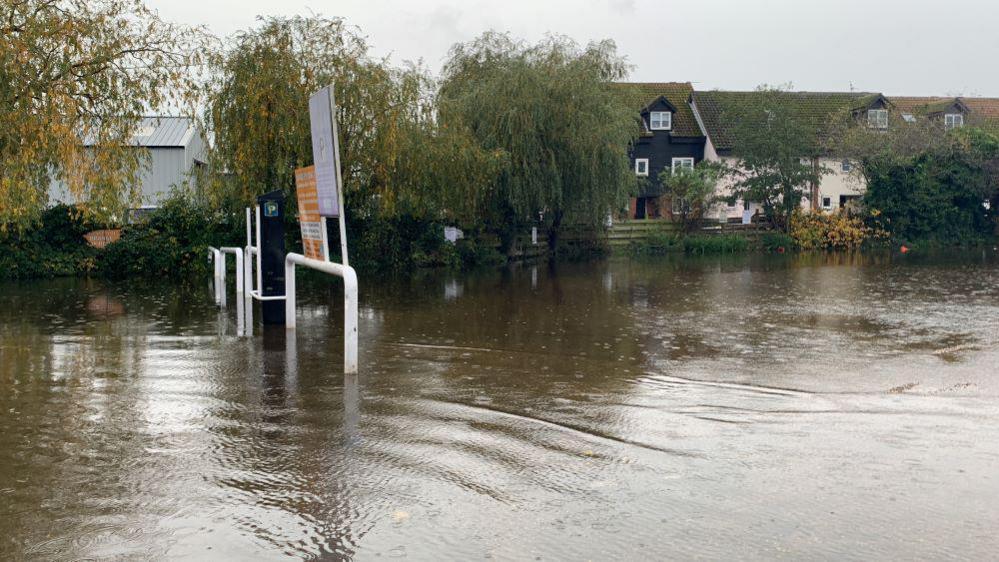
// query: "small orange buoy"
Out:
[905,249]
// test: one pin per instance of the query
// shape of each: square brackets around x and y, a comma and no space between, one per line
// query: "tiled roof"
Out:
[819,109]
[921,105]
[161,131]
[986,108]
[641,94]
[981,111]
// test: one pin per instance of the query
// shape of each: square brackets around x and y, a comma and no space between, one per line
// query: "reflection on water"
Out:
[822,406]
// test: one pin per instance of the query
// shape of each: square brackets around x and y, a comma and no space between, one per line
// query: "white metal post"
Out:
[239,273]
[248,288]
[349,301]
[341,211]
[216,260]
[248,274]
[221,279]
[260,264]
[249,239]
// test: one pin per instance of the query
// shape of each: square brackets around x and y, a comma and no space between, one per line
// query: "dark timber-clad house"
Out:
[669,138]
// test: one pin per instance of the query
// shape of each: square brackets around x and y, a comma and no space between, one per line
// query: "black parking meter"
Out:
[272,254]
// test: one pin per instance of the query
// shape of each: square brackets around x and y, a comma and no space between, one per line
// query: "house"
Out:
[176,146]
[717,111]
[669,138]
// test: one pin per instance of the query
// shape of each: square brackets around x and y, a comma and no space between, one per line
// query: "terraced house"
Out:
[718,111]
[680,127]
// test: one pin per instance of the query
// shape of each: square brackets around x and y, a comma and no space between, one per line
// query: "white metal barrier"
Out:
[250,286]
[349,301]
[218,257]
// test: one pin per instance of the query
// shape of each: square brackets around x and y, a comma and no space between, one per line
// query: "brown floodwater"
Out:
[833,407]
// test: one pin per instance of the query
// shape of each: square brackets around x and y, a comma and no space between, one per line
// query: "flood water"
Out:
[832,407]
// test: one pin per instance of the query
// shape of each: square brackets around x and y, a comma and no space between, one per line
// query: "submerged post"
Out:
[349,301]
[239,274]
[217,273]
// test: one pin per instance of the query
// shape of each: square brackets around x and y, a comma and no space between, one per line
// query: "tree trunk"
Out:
[553,232]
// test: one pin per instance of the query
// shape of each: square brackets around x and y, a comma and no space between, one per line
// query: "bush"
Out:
[935,198]
[777,241]
[172,241]
[836,231]
[655,244]
[405,242]
[719,244]
[662,243]
[56,247]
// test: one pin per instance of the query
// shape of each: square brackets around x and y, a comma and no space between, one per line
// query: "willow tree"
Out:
[75,76]
[549,108]
[394,157]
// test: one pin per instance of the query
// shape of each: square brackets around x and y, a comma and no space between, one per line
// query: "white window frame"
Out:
[877,118]
[663,118]
[846,166]
[681,160]
[824,205]
[638,172]
[953,121]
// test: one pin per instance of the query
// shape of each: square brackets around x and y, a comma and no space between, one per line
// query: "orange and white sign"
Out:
[313,234]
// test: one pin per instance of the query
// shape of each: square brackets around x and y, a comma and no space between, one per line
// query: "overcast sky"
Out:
[897,47]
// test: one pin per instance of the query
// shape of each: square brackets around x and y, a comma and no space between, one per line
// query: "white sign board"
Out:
[325,152]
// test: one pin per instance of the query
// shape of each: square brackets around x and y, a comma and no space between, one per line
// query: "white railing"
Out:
[349,301]
[250,287]
[251,250]
[218,257]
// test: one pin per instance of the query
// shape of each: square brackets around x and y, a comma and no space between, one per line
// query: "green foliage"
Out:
[404,242]
[777,241]
[772,138]
[55,247]
[720,244]
[937,195]
[657,243]
[696,244]
[550,109]
[695,189]
[172,242]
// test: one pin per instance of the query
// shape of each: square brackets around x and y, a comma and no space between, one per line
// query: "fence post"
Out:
[216,259]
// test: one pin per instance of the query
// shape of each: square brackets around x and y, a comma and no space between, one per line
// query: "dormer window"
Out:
[953,121]
[877,118]
[908,118]
[641,167]
[660,120]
